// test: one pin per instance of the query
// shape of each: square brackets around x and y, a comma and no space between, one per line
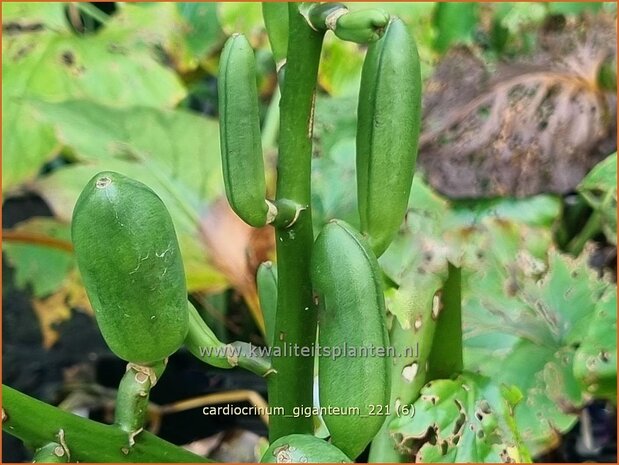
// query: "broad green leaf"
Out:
[187,32]
[523,320]
[50,15]
[602,178]
[595,362]
[525,308]
[467,419]
[176,153]
[455,23]
[541,210]
[55,67]
[183,145]
[243,17]
[34,249]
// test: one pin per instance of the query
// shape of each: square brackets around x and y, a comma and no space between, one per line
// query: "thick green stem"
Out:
[37,424]
[446,357]
[291,385]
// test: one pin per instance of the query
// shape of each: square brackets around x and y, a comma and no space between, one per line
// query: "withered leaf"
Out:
[529,126]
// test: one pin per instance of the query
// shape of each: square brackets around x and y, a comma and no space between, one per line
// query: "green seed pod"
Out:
[239,127]
[362,27]
[387,133]
[303,448]
[266,282]
[130,262]
[347,280]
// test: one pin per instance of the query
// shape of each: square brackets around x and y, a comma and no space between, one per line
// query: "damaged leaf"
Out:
[595,361]
[467,419]
[523,320]
[41,252]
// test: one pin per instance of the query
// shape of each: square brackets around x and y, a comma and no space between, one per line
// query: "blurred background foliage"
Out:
[517,170]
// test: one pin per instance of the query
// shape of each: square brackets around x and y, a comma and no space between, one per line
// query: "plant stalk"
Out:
[446,357]
[291,384]
[37,424]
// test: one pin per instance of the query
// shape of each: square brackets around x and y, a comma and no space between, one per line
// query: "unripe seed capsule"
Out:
[387,133]
[130,262]
[239,127]
[347,280]
[303,448]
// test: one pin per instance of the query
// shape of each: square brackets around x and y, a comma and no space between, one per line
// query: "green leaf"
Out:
[540,210]
[523,321]
[29,247]
[178,142]
[240,17]
[525,308]
[187,32]
[203,31]
[55,67]
[602,178]
[340,67]
[175,153]
[595,361]
[599,189]
[573,8]
[51,15]
[468,419]
[455,23]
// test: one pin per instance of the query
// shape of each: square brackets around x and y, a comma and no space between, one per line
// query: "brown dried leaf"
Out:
[529,127]
[53,310]
[237,250]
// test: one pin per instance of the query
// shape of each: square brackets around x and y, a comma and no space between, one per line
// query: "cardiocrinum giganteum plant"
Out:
[390,381]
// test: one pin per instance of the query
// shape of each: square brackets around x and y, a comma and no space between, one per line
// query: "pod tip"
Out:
[103,182]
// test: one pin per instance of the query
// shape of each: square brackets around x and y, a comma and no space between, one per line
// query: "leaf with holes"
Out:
[467,419]
[523,319]
[595,361]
